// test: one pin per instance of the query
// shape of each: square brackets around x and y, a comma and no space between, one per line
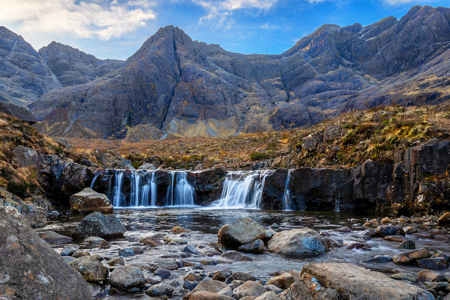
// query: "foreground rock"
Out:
[89,200]
[99,225]
[127,277]
[240,232]
[91,269]
[303,242]
[352,282]
[30,269]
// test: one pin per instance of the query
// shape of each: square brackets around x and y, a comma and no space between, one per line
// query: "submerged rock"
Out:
[303,242]
[30,269]
[99,225]
[240,232]
[89,200]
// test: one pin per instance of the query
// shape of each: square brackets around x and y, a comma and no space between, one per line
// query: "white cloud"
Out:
[398,2]
[103,19]
[219,10]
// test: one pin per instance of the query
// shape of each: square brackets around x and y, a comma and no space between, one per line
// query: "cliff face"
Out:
[180,87]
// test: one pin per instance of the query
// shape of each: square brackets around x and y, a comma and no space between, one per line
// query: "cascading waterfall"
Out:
[184,192]
[117,200]
[287,193]
[135,189]
[337,202]
[169,201]
[93,181]
[245,191]
[153,189]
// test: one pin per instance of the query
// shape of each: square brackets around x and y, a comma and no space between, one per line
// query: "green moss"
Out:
[258,156]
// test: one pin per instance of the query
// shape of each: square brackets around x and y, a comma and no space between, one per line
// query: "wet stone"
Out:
[126,252]
[117,261]
[191,250]
[255,247]
[240,276]
[68,252]
[163,273]
[80,253]
[104,245]
[404,276]
[379,259]
[395,238]
[407,245]
[384,230]
[428,275]
[159,290]
[190,285]
[438,263]
[127,277]
[149,241]
[436,285]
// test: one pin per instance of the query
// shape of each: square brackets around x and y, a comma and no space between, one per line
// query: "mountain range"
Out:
[176,87]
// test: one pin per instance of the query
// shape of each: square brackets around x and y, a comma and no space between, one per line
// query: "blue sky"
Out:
[117,28]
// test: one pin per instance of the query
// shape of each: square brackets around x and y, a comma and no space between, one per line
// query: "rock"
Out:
[240,232]
[192,277]
[93,240]
[178,230]
[97,224]
[55,238]
[437,263]
[127,277]
[283,281]
[163,273]
[379,259]
[159,290]
[268,296]
[147,166]
[226,291]
[30,269]
[354,282]
[190,285]
[406,258]
[91,269]
[212,286]
[116,261]
[167,264]
[269,234]
[149,241]
[126,252]
[395,238]
[436,285]
[236,256]
[256,247]
[249,288]
[68,259]
[307,289]
[204,295]
[301,243]
[104,245]
[384,230]
[221,275]
[191,250]
[240,276]
[427,275]
[407,245]
[81,253]
[444,219]
[89,200]
[67,252]
[404,276]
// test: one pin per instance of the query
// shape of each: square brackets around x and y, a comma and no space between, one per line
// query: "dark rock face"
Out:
[178,86]
[30,268]
[72,66]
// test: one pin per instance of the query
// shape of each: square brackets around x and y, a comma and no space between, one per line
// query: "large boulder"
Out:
[240,232]
[354,282]
[99,225]
[30,269]
[89,200]
[127,277]
[249,288]
[303,242]
[90,268]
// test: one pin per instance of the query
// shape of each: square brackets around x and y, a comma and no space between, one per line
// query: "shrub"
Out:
[258,156]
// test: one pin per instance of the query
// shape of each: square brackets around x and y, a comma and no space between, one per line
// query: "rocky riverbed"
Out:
[167,253]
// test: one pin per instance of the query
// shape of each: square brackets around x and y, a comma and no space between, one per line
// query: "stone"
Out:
[147,166]
[55,238]
[204,295]
[437,263]
[97,224]
[89,200]
[354,282]
[395,238]
[283,281]
[90,268]
[384,230]
[379,259]
[93,240]
[116,261]
[163,273]
[191,250]
[256,247]
[408,257]
[149,241]
[444,219]
[221,275]
[127,277]
[249,288]
[226,291]
[300,243]
[67,252]
[212,286]
[236,256]
[81,253]
[404,276]
[190,285]
[104,245]
[427,275]
[30,269]
[240,276]
[126,252]
[159,290]
[407,245]
[240,232]
[436,285]
[178,230]
[192,277]
[268,296]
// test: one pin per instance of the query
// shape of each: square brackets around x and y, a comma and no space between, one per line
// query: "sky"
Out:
[117,28]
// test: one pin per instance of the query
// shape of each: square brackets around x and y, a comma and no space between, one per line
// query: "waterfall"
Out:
[337,202]
[245,191]
[169,201]
[153,190]
[117,200]
[287,193]
[93,181]
[144,194]
[184,192]
[135,189]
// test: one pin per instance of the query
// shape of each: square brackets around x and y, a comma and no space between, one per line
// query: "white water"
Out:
[245,191]
[93,181]
[287,193]
[337,202]
[117,200]
[184,191]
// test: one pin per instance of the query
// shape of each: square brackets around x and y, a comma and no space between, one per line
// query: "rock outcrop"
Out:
[30,269]
[301,243]
[89,200]
[240,232]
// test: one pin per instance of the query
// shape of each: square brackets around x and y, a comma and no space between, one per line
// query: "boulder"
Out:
[354,282]
[89,200]
[255,247]
[30,269]
[240,276]
[302,243]
[127,277]
[444,219]
[159,290]
[249,288]
[91,269]
[408,257]
[212,286]
[384,230]
[116,261]
[240,232]
[55,238]
[268,296]
[435,263]
[99,225]
[432,276]
[283,281]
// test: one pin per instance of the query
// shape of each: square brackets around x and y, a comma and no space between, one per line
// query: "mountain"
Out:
[173,86]
[72,66]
